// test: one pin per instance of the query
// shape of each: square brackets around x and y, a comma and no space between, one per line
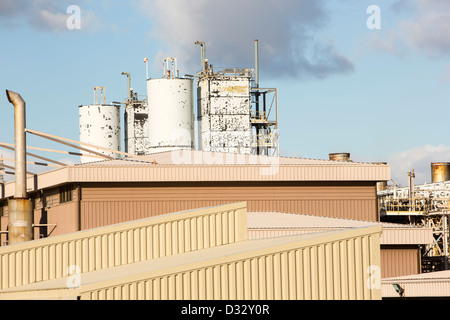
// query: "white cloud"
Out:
[286,30]
[420,160]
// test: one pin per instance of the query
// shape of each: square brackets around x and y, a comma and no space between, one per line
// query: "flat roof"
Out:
[190,166]
[431,284]
[278,224]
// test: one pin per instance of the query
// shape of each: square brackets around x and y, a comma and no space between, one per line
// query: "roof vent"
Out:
[340,157]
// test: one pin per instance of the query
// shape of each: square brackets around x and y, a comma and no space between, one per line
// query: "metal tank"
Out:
[440,171]
[339,156]
[170,110]
[100,126]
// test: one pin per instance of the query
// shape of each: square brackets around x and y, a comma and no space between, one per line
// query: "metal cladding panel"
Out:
[399,262]
[330,266]
[65,217]
[100,126]
[224,87]
[278,223]
[227,141]
[409,236]
[198,166]
[224,113]
[108,205]
[121,244]
[171,113]
[229,122]
[229,106]
[137,128]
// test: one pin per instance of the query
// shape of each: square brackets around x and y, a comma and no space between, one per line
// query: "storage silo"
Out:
[440,171]
[170,110]
[100,126]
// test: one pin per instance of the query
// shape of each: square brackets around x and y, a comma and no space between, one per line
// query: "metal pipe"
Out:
[128,83]
[203,53]
[20,208]
[20,142]
[257,96]
[256,64]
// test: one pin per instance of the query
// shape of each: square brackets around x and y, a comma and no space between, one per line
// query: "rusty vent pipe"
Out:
[440,171]
[343,156]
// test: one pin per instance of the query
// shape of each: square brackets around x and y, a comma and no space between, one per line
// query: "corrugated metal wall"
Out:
[318,270]
[397,262]
[107,205]
[121,244]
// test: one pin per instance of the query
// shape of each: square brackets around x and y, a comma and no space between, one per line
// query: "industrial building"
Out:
[339,193]
[423,205]
[265,226]
[201,254]
[95,194]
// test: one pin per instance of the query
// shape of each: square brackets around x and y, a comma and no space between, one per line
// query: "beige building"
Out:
[432,285]
[81,197]
[284,197]
[400,244]
[199,254]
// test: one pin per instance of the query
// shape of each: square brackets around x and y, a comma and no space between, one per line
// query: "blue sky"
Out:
[382,95]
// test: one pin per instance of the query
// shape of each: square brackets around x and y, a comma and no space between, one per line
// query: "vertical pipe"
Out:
[128,84]
[20,208]
[20,144]
[256,64]
[411,177]
[257,95]
[203,54]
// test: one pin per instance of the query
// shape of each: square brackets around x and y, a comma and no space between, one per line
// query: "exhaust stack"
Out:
[342,156]
[20,208]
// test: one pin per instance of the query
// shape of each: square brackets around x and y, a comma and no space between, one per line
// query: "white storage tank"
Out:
[170,110]
[100,126]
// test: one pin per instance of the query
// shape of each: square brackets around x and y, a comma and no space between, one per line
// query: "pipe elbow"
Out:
[14,98]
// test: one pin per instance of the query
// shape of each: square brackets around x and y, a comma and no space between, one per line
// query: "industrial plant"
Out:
[182,194]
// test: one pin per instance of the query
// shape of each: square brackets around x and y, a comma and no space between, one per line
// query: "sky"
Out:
[371,78]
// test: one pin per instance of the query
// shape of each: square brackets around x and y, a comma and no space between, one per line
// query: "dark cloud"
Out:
[41,15]
[286,31]
[424,29]
[10,7]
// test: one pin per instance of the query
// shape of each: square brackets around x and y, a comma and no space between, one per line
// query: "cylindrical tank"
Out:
[382,185]
[100,126]
[340,156]
[440,171]
[170,114]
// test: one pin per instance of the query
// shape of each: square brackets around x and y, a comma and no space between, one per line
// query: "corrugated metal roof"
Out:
[190,166]
[261,224]
[186,262]
[432,284]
